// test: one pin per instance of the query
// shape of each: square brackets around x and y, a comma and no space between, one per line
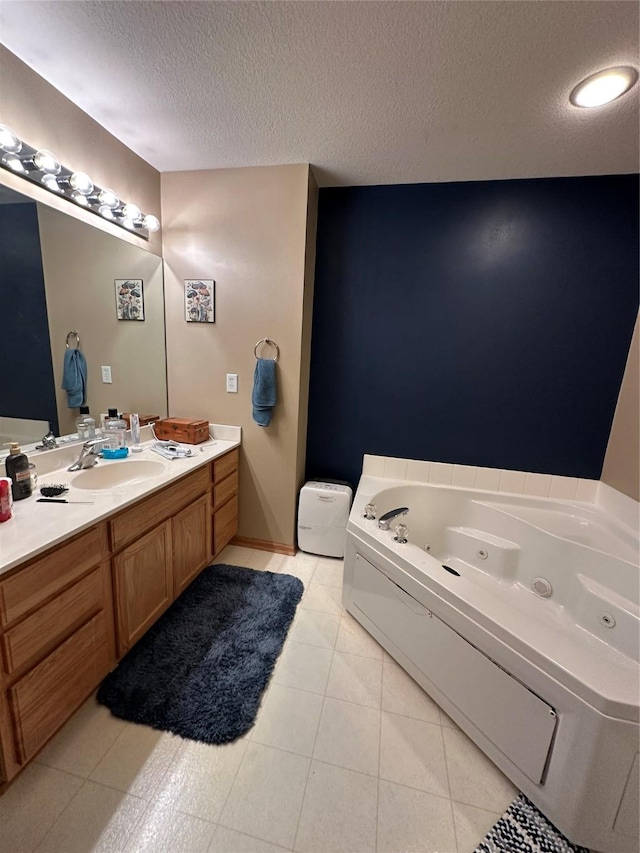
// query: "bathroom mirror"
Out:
[57,275]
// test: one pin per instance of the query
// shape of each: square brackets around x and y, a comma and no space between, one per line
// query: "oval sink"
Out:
[117,474]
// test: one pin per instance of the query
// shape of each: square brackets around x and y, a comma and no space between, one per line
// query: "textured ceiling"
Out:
[368,92]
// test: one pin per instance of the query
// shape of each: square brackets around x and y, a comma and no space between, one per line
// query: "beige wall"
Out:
[621,468]
[247,230]
[80,264]
[44,118]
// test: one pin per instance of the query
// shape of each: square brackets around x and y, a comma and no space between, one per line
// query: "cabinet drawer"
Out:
[38,582]
[53,622]
[225,525]
[42,700]
[223,466]
[133,522]
[225,489]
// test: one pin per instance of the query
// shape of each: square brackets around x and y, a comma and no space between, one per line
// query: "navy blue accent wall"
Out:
[27,384]
[474,323]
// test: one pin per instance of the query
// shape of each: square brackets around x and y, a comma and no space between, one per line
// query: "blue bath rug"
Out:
[200,671]
[523,829]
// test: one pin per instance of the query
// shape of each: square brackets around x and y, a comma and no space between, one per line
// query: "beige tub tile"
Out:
[488,479]
[441,473]
[537,485]
[464,476]
[418,470]
[563,488]
[512,481]
[395,469]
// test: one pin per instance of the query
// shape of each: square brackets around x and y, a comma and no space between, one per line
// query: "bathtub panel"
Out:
[516,721]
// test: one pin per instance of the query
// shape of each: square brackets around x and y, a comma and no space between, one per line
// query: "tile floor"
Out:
[347,754]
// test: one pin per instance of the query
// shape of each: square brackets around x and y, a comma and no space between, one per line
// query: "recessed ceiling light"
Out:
[605,86]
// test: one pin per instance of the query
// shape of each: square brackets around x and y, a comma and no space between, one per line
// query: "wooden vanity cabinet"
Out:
[57,641]
[191,537]
[225,499]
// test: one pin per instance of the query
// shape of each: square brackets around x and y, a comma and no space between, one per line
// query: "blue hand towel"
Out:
[74,378]
[264,390]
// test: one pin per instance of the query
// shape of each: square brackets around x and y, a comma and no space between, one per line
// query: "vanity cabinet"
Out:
[57,641]
[225,500]
[191,535]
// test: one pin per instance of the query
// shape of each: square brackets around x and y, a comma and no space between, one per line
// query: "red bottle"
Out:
[5,501]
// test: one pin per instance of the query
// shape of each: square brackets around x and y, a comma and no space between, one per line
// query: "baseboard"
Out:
[264,545]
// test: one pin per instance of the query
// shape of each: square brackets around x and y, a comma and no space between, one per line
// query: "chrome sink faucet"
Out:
[384,522]
[88,455]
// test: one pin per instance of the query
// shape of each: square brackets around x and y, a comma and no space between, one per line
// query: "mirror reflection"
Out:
[58,275]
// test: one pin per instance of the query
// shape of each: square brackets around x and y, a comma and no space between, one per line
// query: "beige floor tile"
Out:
[338,812]
[472,825]
[412,754]
[301,566]
[447,722]
[317,596]
[163,830]
[288,719]
[84,740]
[30,807]
[265,561]
[329,571]
[356,640]
[402,695]
[355,679]
[303,666]
[315,628]
[234,555]
[473,778]
[137,760]
[411,821]
[200,777]
[97,819]
[229,841]
[266,797]
[349,736]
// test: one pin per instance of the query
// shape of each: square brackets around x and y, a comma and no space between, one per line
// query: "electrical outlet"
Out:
[106,374]
[232,383]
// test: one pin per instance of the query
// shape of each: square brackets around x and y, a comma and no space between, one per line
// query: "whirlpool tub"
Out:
[520,617]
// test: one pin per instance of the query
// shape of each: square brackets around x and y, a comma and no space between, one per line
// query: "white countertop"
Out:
[36,527]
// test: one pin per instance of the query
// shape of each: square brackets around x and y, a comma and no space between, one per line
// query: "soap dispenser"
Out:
[17,468]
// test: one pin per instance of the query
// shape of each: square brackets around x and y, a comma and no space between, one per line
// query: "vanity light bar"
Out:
[41,167]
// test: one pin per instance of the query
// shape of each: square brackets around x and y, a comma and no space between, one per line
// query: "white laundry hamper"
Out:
[323,512]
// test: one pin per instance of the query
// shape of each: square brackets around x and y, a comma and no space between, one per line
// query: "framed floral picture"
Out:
[129,299]
[199,301]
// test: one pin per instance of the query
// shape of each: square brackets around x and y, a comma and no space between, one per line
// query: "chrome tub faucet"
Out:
[384,522]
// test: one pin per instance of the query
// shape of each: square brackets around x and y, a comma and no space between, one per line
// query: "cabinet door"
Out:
[144,584]
[191,537]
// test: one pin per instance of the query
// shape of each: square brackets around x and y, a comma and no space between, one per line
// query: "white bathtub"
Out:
[529,638]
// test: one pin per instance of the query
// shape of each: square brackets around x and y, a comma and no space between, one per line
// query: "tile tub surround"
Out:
[35,527]
[102,784]
[557,648]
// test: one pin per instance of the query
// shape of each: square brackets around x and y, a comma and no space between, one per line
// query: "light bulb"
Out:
[9,142]
[603,87]
[81,183]
[51,183]
[79,198]
[106,211]
[151,222]
[108,198]
[132,212]
[45,161]
[12,161]
[128,223]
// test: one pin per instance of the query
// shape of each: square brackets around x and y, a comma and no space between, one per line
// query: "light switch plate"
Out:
[232,383]
[106,374]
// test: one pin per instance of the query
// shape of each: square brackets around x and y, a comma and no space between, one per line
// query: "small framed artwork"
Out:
[129,299]
[199,301]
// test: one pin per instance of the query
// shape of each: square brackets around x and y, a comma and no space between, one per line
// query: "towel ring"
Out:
[76,336]
[267,341]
